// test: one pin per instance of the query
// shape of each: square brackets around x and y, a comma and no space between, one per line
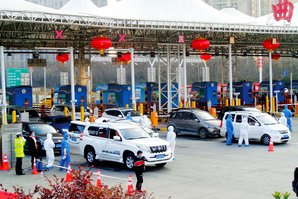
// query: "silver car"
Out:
[194,121]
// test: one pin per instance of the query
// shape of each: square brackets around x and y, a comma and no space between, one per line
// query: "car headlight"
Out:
[144,148]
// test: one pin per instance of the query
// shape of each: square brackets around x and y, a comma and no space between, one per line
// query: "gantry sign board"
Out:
[17,77]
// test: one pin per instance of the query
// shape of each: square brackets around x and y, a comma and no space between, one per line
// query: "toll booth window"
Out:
[113,133]
[93,131]
[239,118]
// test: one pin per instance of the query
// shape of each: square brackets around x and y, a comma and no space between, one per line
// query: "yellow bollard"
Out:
[267,104]
[239,102]
[14,116]
[227,102]
[65,111]
[154,119]
[193,104]
[273,104]
[233,102]
[82,113]
[180,105]
[141,107]
[126,105]
[187,105]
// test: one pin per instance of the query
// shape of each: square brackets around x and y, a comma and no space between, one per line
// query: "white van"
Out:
[262,127]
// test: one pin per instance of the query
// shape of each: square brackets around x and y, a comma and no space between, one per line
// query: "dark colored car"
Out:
[33,114]
[194,121]
[59,122]
[41,130]
[236,108]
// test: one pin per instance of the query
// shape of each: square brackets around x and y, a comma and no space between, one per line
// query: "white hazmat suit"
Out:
[145,122]
[283,119]
[49,147]
[243,132]
[171,138]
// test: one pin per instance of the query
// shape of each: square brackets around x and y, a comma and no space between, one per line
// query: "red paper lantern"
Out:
[205,56]
[269,45]
[275,56]
[124,58]
[200,44]
[62,58]
[101,43]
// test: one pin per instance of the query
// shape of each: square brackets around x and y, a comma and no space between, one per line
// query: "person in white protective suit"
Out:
[283,119]
[171,138]
[243,132]
[49,147]
[145,122]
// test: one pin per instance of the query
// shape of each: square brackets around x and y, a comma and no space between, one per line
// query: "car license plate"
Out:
[160,156]
[285,136]
[58,145]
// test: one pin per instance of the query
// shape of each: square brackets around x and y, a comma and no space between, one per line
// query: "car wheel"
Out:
[160,165]
[90,156]
[203,133]
[129,160]
[265,139]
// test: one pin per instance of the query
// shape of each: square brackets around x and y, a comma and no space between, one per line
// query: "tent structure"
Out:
[81,7]
[239,15]
[167,10]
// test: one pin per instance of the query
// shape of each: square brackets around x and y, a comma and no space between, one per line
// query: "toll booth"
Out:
[202,92]
[100,88]
[245,91]
[19,95]
[151,92]
[62,95]
[140,92]
[277,86]
[222,91]
[117,95]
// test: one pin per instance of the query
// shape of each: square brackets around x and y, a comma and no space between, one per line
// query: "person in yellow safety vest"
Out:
[19,144]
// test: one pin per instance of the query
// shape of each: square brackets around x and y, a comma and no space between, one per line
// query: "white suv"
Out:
[262,127]
[119,142]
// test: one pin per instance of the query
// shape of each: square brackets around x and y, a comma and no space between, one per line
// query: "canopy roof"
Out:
[21,5]
[239,15]
[81,6]
[167,10]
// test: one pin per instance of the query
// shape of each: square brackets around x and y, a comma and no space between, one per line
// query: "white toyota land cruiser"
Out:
[119,142]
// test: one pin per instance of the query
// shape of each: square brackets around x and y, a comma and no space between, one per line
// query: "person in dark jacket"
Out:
[139,167]
[33,147]
[295,182]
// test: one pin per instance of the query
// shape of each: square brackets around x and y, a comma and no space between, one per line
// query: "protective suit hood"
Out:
[65,136]
[286,107]
[49,136]
[282,114]
[171,128]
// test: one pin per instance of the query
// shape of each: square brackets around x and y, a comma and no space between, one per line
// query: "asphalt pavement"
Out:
[202,169]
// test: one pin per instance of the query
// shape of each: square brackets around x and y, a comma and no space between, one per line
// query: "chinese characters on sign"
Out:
[283,10]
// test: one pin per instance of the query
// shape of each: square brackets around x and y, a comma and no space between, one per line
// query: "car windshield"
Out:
[43,129]
[267,119]
[134,133]
[204,115]
[60,120]
[133,113]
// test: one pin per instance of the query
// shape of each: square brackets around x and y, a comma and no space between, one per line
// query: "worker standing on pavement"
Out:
[19,144]
[49,147]
[230,130]
[65,152]
[243,132]
[139,167]
[288,115]
[171,138]
[283,120]
[33,147]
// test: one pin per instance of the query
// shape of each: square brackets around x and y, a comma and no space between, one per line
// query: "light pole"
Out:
[4,115]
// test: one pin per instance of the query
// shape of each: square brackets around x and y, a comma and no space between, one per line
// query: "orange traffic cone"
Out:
[129,186]
[34,172]
[68,177]
[271,146]
[98,182]
[5,165]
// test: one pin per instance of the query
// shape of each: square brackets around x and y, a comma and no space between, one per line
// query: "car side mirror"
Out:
[155,135]
[117,138]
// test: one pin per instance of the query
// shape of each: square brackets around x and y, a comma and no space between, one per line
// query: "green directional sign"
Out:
[17,77]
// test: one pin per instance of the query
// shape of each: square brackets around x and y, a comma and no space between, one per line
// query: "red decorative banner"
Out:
[283,10]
